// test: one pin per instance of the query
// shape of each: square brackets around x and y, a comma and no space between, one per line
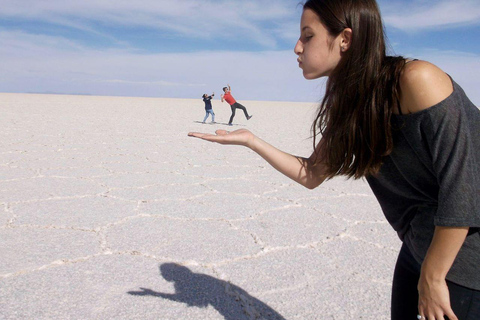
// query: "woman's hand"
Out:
[434,300]
[298,169]
[241,137]
[434,297]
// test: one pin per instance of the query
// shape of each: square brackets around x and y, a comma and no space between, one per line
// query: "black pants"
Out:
[465,302]
[234,106]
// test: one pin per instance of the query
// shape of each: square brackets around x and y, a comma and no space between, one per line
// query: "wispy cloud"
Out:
[33,61]
[56,65]
[428,14]
[26,44]
[151,83]
[189,18]
[52,67]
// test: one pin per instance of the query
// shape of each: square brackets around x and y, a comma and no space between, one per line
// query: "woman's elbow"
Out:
[310,186]
[314,175]
[312,183]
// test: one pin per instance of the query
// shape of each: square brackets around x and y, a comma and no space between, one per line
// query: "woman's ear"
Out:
[345,39]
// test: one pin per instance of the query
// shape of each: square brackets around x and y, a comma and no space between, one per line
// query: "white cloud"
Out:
[289,31]
[190,18]
[49,64]
[431,14]
[33,63]
[151,83]
[27,44]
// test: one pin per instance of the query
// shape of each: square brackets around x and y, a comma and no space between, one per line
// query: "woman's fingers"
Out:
[237,137]
[220,138]
[207,135]
[437,314]
[449,313]
[198,134]
[204,136]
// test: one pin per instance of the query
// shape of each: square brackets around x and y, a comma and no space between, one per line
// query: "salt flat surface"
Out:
[109,211]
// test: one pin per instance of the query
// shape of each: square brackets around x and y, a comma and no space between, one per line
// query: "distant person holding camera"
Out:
[227,96]
[208,107]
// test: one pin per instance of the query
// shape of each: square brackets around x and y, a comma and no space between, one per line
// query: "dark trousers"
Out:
[234,106]
[465,302]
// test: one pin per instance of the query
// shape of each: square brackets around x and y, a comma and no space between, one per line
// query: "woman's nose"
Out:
[298,47]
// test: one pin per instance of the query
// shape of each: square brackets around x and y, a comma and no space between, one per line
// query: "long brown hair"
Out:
[361,93]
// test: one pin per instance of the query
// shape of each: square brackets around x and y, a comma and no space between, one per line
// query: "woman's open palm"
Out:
[238,137]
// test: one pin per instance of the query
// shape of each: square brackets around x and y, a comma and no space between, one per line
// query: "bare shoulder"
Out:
[423,85]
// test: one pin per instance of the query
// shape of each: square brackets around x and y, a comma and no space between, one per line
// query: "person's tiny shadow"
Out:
[222,123]
[201,290]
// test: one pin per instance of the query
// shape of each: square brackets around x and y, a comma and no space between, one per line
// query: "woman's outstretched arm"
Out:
[296,168]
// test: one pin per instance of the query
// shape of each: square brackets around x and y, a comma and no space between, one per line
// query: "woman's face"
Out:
[318,52]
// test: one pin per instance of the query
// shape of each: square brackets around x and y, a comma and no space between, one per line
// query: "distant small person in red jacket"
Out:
[233,104]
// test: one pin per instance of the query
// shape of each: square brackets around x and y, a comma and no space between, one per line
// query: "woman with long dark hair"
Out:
[411,131]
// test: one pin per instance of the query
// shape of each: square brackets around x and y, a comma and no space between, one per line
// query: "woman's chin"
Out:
[310,76]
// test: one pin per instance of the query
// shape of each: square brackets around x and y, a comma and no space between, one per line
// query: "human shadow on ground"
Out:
[222,123]
[201,290]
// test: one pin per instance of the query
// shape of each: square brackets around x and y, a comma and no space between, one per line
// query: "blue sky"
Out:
[184,48]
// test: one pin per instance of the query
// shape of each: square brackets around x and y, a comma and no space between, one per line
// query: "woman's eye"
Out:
[306,38]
